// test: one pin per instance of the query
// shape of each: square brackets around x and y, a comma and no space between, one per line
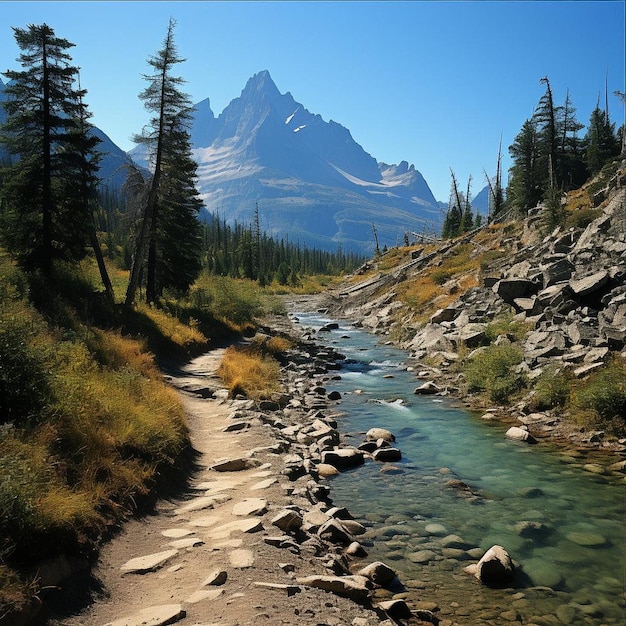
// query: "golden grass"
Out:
[186,336]
[245,371]
[93,426]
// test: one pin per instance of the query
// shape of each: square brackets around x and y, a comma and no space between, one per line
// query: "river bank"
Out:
[255,538]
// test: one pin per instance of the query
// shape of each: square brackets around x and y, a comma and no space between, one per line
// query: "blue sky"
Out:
[432,83]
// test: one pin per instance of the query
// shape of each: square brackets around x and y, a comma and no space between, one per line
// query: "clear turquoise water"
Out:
[578,551]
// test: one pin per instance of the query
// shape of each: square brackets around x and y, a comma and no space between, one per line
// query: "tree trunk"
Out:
[47,205]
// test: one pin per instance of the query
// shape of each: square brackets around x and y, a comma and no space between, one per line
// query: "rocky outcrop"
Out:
[567,288]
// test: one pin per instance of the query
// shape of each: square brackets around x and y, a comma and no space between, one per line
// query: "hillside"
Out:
[510,314]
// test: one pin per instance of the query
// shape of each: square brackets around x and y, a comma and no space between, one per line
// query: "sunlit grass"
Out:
[246,371]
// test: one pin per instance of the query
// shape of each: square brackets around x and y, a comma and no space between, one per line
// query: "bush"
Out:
[493,370]
[552,389]
[506,325]
[602,398]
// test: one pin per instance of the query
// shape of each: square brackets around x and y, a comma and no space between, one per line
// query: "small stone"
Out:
[288,520]
[241,559]
[397,609]
[422,556]
[153,616]
[234,465]
[250,506]
[378,573]
[264,484]
[204,594]
[290,590]
[148,563]
[186,542]
[436,529]
[589,539]
[216,578]
[177,533]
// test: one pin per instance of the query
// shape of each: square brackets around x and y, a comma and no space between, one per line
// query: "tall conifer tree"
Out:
[44,216]
[172,186]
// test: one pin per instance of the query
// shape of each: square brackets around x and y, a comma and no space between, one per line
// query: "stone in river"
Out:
[585,538]
[436,529]
[422,556]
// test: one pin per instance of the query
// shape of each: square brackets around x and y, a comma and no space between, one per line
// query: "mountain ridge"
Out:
[311,180]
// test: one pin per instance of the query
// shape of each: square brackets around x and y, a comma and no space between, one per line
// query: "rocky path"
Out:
[224,554]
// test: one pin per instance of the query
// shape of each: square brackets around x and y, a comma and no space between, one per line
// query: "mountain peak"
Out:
[261,83]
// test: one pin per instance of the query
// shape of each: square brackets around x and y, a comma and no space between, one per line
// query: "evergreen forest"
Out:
[551,155]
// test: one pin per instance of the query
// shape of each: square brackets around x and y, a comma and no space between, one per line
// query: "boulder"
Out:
[343,457]
[556,272]
[444,315]
[519,434]
[496,567]
[334,531]
[426,389]
[584,286]
[387,454]
[510,288]
[396,609]
[287,520]
[378,573]
[357,588]
[234,465]
[471,335]
[379,433]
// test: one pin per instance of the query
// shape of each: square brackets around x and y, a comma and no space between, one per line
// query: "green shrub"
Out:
[552,389]
[582,218]
[602,398]
[493,371]
[515,330]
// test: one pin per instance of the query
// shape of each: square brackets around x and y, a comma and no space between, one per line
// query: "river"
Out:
[563,526]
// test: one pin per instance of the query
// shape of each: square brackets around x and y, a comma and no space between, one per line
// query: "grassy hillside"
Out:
[88,428]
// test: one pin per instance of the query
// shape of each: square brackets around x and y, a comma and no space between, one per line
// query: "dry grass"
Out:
[86,426]
[247,372]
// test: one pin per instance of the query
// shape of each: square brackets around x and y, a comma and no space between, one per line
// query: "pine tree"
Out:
[496,193]
[178,242]
[46,215]
[525,184]
[601,140]
[547,135]
[168,141]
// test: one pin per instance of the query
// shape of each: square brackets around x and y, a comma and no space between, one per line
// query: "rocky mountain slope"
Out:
[560,296]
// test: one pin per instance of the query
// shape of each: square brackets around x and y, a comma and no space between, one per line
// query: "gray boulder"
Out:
[378,573]
[495,568]
[343,457]
[357,588]
[584,286]
[510,288]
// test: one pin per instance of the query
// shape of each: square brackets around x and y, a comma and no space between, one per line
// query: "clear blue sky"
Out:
[432,83]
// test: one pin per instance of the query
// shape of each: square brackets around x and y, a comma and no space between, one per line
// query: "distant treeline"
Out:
[246,252]
[236,250]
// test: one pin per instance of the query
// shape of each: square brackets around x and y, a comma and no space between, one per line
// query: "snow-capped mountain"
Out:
[311,180]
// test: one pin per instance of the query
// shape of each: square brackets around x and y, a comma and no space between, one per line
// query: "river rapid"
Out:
[462,487]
